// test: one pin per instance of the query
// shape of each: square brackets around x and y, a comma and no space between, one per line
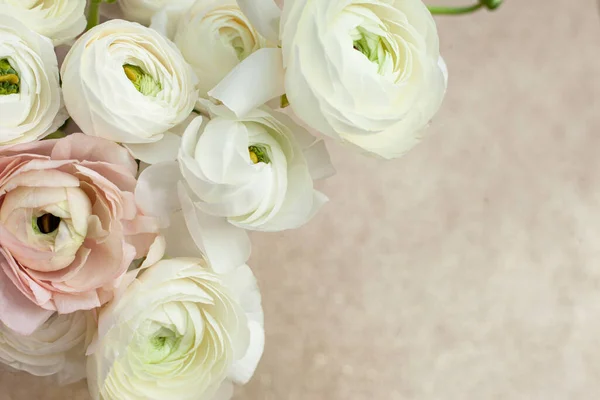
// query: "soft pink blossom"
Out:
[75,262]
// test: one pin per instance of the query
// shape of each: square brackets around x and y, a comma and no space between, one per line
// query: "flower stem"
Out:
[455,10]
[55,135]
[93,14]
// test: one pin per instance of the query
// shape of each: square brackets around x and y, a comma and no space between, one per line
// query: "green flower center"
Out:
[9,78]
[143,82]
[161,345]
[374,47]
[258,154]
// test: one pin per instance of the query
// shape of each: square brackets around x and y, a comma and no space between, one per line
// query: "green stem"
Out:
[93,14]
[455,10]
[56,135]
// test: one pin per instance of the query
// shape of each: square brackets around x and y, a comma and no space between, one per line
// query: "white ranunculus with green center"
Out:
[31,106]
[179,331]
[129,84]
[214,36]
[57,348]
[58,20]
[256,171]
[365,72]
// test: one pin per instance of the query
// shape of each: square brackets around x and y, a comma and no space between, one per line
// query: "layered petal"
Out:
[70,226]
[31,104]
[129,84]
[178,331]
[363,72]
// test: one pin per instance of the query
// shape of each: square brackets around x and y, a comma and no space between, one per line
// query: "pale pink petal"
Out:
[16,311]
[117,174]
[68,303]
[90,148]
[41,148]
[104,263]
[63,274]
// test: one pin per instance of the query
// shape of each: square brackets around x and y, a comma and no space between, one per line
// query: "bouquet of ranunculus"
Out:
[132,167]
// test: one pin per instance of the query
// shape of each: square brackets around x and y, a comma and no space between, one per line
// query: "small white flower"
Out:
[55,348]
[214,37]
[30,99]
[59,20]
[179,331]
[128,83]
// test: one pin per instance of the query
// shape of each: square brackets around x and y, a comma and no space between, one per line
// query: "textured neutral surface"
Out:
[470,269]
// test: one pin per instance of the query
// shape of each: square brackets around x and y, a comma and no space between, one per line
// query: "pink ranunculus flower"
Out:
[69,227]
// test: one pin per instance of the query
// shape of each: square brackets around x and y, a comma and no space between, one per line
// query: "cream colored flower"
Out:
[55,348]
[30,99]
[59,20]
[129,84]
[179,331]
[214,36]
[255,171]
[365,72]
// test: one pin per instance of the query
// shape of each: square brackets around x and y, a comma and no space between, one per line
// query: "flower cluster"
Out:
[132,170]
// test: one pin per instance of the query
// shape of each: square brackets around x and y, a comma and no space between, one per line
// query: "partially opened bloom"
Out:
[69,227]
[128,83]
[57,348]
[30,100]
[58,20]
[257,171]
[179,331]
[214,36]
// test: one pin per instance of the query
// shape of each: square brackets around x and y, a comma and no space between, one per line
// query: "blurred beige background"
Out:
[469,269]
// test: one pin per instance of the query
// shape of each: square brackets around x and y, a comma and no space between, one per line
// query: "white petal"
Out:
[156,190]
[243,369]
[155,253]
[264,15]
[444,68]
[160,22]
[225,246]
[260,77]
[163,150]
[318,160]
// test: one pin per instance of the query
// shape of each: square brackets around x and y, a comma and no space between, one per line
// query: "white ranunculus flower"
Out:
[128,83]
[179,331]
[30,100]
[366,72]
[59,20]
[214,36]
[257,170]
[387,84]
[56,348]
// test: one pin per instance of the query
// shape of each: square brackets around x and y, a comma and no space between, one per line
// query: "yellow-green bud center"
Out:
[374,47]
[9,78]
[258,154]
[143,82]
